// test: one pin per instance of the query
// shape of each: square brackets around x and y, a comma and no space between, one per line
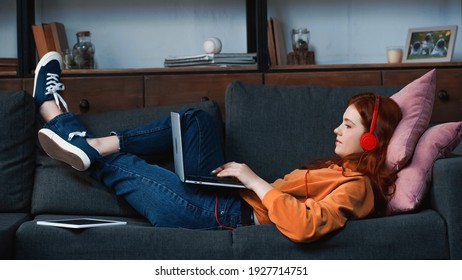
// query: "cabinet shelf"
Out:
[147,71]
[256,29]
[128,88]
[8,66]
[368,66]
[255,11]
[8,73]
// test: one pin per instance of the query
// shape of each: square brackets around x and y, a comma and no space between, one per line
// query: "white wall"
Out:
[8,33]
[358,31]
[141,33]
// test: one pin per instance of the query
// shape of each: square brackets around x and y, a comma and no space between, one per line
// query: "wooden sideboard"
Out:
[448,101]
[109,90]
[106,90]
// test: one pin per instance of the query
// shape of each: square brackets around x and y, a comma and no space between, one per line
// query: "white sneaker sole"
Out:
[44,61]
[59,149]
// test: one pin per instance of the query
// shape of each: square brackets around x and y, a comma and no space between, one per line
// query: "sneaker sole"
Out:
[59,149]
[44,61]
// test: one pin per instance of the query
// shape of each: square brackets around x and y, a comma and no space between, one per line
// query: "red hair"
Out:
[373,163]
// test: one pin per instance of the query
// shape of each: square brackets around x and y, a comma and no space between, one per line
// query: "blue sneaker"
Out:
[63,139]
[46,82]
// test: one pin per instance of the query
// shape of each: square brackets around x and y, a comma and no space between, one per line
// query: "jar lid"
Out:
[300,31]
[83,33]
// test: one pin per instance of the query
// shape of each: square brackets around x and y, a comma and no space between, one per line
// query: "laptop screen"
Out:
[177,145]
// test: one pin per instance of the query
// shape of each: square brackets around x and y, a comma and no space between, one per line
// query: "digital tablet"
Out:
[80,223]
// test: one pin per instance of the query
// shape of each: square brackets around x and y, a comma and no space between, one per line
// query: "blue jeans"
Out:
[158,193]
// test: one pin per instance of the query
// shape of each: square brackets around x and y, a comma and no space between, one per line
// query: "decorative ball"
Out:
[212,45]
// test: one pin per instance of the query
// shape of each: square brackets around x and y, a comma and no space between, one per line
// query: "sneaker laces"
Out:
[82,134]
[53,85]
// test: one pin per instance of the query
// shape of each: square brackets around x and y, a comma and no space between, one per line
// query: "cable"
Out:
[216,215]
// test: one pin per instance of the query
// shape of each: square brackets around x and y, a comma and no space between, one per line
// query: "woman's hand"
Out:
[244,174]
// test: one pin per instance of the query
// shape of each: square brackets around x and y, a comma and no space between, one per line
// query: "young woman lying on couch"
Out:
[304,205]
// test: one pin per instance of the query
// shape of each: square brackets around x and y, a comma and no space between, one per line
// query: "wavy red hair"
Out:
[373,163]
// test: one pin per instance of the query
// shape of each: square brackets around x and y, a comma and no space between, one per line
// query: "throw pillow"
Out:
[413,180]
[416,103]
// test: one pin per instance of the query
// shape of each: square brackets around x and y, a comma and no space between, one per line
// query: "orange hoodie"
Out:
[333,198]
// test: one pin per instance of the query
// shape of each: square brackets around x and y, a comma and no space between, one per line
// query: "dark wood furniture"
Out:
[102,90]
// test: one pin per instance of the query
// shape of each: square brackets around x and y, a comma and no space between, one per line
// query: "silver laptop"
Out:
[179,162]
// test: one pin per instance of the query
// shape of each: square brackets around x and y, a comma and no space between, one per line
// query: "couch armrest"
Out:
[446,198]
[9,223]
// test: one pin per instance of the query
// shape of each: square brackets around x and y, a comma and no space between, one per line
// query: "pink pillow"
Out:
[413,180]
[416,103]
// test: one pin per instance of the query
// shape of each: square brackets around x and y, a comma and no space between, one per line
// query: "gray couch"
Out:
[273,129]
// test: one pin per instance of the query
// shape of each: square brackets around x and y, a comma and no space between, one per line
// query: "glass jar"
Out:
[68,59]
[300,39]
[84,51]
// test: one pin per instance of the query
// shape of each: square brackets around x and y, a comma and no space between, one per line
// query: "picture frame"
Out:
[430,44]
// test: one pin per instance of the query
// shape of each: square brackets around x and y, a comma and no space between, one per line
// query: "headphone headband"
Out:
[375,114]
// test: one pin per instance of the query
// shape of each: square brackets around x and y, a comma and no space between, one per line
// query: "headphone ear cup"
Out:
[368,141]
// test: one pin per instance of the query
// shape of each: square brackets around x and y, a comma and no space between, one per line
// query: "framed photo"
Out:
[431,44]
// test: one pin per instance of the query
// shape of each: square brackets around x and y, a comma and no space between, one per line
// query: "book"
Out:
[49,37]
[40,40]
[59,36]
[271,46]
[8,64]
[279,42]
[234,59]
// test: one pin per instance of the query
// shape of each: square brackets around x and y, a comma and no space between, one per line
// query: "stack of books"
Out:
[8,64]
[221,59]
[50,37]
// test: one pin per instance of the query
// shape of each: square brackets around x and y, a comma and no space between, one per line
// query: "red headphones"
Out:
[368,140]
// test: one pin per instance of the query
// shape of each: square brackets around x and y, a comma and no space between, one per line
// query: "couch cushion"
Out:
[17,150]
[275,129]
[60,189]
[394,237]
[136,240]
[378,238]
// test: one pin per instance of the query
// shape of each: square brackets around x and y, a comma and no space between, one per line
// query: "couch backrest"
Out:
[275,128]
[59,189]
[17,150]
